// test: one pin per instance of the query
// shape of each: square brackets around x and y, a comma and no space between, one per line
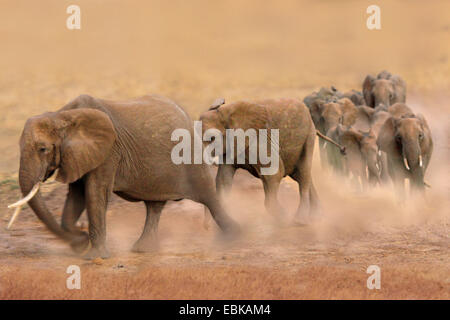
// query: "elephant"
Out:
[324,94]
[378,118]
[386,89]
[406,138]
[327,115]
[355,96]
[99,147]
[296,145]
[333,94]
[361,159]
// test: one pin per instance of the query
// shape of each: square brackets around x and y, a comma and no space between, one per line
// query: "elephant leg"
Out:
[384,176]
[210,199]
[304,179]
[73,207]
[398,178]
[148,240]
[97,192]
[224,181]
[365,176]
[271,183]
[314,201]
[323,154]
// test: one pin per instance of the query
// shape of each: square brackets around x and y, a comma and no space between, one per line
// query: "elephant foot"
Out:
[97,252]
[80,243]
[145,246]
[232,230]
[316,215]
[301,220]
[230,234]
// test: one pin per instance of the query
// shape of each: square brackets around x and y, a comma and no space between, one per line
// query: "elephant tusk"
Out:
[18,205]
[420,161]
[379,153]
[27,198]
[14,217]
[405,162]
[215,160]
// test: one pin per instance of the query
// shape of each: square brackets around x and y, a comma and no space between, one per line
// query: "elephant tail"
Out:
[324,137]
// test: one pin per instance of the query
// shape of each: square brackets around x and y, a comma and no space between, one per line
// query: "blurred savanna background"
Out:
[193,52]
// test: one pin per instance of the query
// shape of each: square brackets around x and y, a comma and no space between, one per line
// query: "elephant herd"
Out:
[99,147]
[384,139]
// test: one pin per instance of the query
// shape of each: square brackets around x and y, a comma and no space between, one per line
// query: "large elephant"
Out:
[386,89]
[296,145]
[406,139]
[102,146]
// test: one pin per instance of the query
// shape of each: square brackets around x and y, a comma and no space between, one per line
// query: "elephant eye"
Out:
[42,149]
[420,136]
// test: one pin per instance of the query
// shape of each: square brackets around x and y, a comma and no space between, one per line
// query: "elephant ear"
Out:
[386,137]
[349,111]
[399,88]
[351,138]
[87,139]
[425,127]
[367,90]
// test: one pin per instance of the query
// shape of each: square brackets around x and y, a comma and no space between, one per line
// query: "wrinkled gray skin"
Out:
[102,146]
[296,145]
[385,89]
[404,137]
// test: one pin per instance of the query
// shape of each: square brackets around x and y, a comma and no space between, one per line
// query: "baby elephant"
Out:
[102,146]
[295,144]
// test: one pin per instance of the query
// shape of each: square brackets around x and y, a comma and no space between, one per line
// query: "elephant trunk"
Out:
[412,160]
[27,183]
[374,172]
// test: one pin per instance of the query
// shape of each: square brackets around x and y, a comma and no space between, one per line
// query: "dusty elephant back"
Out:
[293,120]
[143,148]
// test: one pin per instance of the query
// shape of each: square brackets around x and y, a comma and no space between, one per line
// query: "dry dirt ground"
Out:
[194,52]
